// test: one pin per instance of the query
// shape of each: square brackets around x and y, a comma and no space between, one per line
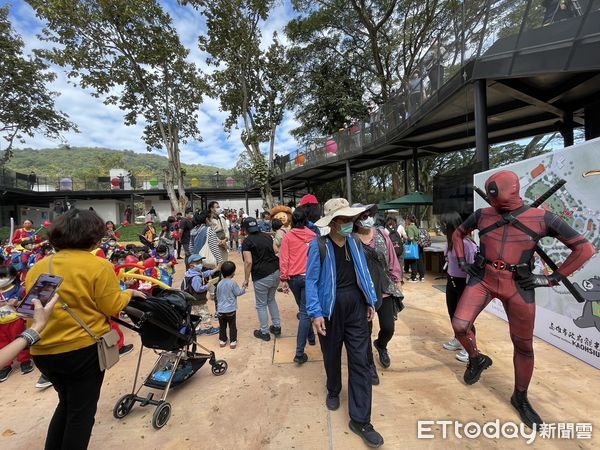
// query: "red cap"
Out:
[309,199]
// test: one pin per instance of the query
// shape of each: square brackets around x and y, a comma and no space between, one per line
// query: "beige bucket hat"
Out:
[337,207]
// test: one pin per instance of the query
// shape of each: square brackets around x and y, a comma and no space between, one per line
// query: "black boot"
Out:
[475,367]
[528,415]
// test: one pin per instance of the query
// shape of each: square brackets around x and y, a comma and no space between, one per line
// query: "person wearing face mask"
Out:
[26,234]
[219,226]
[340,299]
[387,279]
[11,325]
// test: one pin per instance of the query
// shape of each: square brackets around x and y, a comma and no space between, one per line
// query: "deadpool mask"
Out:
[502,190]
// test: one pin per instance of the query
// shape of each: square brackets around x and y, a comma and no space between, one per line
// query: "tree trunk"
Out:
[170,188]
[267,196]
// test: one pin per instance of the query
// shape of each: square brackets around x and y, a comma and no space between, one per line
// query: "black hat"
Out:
[249,224]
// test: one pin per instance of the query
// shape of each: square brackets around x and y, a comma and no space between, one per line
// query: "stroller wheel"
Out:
[219,367]
[161,415]
[123,406]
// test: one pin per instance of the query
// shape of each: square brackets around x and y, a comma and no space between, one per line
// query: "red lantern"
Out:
[116,182]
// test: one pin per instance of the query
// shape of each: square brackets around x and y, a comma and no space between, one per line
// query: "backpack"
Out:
[397,242]
[424,240]
[186,286]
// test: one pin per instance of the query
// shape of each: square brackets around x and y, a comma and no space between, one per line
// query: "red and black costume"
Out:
[509,232]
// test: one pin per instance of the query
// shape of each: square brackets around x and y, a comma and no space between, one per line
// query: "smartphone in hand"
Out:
[44,289]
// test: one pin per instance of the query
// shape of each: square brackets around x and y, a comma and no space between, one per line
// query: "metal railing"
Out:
[16,180]
[466,33]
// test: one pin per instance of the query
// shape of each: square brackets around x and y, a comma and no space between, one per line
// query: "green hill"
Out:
[93,162]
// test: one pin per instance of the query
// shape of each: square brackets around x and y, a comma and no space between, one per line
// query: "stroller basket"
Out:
[186,367]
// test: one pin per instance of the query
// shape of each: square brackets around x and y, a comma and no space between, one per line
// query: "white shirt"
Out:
[402,232]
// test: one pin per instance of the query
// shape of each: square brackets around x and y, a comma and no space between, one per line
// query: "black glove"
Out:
[536,281]
[471,269]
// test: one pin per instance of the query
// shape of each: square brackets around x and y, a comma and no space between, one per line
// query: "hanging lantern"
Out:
[154,183]
[115,182]
[66,184]
[331,147]
[195,182]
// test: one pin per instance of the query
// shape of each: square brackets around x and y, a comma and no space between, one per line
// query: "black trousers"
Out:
[77,378]
[387,325]
[349,326]
[227,320]
[454,290]
[417,265]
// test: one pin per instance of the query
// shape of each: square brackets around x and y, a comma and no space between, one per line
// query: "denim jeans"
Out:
[305,330]
[264,293]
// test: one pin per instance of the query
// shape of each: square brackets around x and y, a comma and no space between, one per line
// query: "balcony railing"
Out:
[12,179]
[467,32]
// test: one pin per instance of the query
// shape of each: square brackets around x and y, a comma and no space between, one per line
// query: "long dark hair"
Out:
[450,222]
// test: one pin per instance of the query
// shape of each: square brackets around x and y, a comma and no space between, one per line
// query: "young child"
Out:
[11,325]
[227,293]
[195,283]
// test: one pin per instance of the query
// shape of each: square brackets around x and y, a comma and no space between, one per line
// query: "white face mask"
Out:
[5,281]
[369,222]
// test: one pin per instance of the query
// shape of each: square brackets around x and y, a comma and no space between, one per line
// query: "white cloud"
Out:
[102,125]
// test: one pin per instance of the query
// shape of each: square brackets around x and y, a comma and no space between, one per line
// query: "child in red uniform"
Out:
[11,325]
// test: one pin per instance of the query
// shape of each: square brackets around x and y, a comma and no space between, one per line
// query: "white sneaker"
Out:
[462,356]
[452,345]
[222,344]
[423,280]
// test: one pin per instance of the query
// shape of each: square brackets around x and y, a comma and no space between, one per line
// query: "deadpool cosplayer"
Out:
[508,233]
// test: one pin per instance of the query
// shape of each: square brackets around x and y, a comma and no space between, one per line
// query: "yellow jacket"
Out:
[90,288]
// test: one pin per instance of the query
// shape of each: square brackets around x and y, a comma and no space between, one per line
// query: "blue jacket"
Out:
[321,279]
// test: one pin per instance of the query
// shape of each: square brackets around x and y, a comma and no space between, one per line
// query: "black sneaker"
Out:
[475,367]
[301,359]
[5,373]
[313,342]
[43,382]
[332,402]
[275,330]
[366,431]
[374,375]
[125,350]
[259,334]
[26,367]
[384,357]
[528,415]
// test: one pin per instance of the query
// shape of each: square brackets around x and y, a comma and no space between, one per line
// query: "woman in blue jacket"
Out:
[340,299]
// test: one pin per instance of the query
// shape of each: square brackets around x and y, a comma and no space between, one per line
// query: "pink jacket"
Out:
[293,254]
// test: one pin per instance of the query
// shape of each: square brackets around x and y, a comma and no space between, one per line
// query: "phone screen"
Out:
[44,289]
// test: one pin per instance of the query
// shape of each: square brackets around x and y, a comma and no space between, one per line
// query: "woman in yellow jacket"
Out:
[66,354]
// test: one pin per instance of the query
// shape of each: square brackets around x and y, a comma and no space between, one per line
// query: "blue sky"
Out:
[102,126]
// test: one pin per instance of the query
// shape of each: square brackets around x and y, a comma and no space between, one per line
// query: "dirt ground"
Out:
[265,401]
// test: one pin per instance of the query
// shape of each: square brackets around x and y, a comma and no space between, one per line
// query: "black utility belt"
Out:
[498,264]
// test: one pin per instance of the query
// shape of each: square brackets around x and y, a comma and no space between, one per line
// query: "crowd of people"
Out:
[343,264]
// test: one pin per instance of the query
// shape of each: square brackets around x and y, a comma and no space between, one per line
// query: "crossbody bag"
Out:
[107,344]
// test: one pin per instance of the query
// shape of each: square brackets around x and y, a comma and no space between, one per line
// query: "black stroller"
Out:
[165,323]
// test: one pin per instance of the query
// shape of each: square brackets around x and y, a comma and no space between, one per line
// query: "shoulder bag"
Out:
[107,344]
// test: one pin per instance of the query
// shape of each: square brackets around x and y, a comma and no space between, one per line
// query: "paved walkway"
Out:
[266,401]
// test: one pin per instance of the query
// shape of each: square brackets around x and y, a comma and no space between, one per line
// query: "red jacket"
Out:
[22,234]
[293,254]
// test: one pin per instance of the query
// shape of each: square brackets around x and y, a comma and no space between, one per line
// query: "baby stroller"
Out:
[165,323]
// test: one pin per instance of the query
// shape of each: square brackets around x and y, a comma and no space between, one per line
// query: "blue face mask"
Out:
[346,229]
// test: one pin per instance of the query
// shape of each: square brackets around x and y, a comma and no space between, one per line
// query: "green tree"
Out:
[251,83]
[26,105]
[129,54]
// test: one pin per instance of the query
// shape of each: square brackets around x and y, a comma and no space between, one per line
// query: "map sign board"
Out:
[560,320]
